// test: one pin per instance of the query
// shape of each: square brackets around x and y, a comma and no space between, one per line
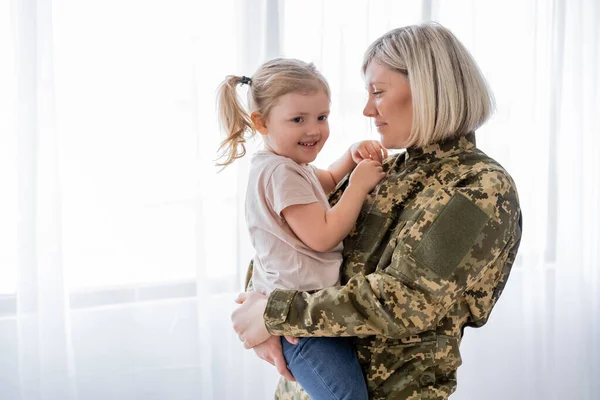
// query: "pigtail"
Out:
[234,120]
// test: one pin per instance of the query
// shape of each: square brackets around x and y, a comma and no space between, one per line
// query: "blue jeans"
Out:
[326,367]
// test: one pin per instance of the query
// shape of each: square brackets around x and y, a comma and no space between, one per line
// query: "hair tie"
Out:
[246,80]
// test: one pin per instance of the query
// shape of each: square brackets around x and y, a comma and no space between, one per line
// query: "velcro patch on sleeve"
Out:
[451,236]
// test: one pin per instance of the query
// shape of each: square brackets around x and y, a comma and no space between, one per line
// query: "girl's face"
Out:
[389,104]
[297,126]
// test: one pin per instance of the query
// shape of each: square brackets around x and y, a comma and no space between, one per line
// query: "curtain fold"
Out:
[45,365]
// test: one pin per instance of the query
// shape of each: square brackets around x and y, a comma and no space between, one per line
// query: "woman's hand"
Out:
[248,320]
[271,351]
[368,150]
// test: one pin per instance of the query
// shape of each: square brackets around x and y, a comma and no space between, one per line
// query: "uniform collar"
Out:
[443,149]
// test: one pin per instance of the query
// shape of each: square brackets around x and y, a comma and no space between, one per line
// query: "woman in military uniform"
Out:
[435,241]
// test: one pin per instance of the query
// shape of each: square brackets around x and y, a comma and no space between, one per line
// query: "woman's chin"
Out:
[392,143]
[388,144]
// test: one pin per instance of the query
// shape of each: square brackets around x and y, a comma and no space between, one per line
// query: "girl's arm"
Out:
[322,229]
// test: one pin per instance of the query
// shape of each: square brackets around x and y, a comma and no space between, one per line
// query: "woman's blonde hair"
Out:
[272,80]
[450,96]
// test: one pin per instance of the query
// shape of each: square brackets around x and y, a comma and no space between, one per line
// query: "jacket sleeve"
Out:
[459,234]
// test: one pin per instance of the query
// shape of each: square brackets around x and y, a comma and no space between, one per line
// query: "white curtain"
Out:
[107,129]
[122,249]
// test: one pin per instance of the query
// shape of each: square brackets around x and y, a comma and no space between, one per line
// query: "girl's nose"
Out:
[314,130]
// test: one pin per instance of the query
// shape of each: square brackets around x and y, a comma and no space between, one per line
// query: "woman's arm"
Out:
[461,234]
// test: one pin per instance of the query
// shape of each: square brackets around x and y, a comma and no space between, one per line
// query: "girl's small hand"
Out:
[248,320]
[367,175]
[368,150]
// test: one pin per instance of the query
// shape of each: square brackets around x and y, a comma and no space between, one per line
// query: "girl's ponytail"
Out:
[234,120]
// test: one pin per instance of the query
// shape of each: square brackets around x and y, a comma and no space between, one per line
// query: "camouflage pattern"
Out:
[429,255]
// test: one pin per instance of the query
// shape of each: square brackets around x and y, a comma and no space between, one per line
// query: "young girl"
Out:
[296,234]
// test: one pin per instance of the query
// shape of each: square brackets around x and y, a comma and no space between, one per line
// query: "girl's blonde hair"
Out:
[450,96]
[272,80]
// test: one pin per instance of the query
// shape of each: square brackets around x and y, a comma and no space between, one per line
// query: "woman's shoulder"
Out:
[472,169]
[476,164]
[480,179]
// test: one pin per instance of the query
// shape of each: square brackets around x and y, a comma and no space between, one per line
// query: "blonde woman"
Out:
[433,247]
[295,233]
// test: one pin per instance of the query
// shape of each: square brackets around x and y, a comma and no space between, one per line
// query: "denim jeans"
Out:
[326,367]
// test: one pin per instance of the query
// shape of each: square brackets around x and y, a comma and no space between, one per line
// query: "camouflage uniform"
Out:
[430,254]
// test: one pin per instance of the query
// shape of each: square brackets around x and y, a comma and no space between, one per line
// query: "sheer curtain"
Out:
[122,248]
[107,131]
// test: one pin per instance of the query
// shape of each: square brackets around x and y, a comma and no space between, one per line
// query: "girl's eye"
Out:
[377,93]
[323,118]
[298,120]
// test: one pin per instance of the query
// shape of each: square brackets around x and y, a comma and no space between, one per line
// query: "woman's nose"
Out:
[369,110]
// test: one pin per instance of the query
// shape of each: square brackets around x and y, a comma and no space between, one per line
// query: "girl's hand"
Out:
[367,175]
[248,320]
[368,150]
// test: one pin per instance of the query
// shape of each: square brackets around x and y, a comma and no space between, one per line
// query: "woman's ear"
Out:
[259,123]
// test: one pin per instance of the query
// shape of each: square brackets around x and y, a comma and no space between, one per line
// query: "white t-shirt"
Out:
[282,260]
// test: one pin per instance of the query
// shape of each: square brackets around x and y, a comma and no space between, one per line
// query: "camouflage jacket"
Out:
[429,255]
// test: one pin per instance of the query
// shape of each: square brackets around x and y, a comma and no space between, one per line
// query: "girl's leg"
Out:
[326,367]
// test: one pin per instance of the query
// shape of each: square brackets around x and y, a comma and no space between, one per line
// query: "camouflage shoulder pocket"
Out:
[451,236]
